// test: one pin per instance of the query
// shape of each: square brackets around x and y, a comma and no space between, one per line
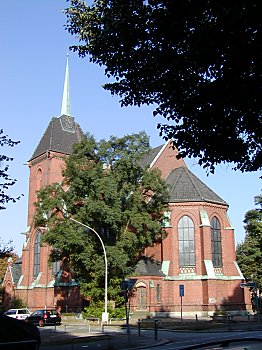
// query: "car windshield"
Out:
[36,313]
[10,312]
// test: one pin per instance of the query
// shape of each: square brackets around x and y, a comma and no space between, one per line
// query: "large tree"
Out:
[5,180]
[105,188]
[249,252]
[198,62]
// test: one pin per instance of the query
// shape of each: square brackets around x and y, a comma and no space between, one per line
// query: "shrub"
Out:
[17,303]
[95,310]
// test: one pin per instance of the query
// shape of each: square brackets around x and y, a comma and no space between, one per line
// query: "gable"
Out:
[164,158]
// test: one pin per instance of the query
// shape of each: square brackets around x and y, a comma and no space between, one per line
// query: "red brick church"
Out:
[195,262]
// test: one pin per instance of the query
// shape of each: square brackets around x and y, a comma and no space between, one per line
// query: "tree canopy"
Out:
[5,180]
[198,62]
[105,188]
[249,252]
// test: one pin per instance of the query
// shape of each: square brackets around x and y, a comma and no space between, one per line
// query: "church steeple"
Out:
[65,109]
[62,132]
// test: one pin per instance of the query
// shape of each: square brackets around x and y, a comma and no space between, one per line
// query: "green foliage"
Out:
[6,251]
[119,312]
[6,180]
[105,188]
[17,303]
[95,310]
[197,62]
[249,252]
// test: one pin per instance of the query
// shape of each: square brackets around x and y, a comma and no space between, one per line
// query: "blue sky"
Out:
[32,66]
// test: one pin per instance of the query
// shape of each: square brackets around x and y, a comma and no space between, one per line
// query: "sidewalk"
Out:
[110,340]
[116,337]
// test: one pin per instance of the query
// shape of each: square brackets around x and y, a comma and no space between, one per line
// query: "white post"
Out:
[105,314]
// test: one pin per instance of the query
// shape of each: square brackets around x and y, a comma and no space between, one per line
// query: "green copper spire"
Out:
[66,98]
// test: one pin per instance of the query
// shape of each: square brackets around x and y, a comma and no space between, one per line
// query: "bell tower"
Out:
[36,284]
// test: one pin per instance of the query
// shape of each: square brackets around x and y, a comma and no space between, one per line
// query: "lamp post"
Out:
[105,314]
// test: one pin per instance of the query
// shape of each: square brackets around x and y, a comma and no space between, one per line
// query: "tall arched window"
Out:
[216,242]
[38,179]
[141,298]
[158,293]
[186,242]
[37,254]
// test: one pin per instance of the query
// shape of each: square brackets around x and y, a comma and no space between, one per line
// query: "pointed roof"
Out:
[187,187]
[62,132]
[65,109]
[58,137]
[17,270]
[146,266]
[150,156]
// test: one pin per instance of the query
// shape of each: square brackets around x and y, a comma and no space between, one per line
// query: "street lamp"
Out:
[105,314]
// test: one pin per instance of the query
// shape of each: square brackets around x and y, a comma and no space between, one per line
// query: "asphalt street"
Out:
[78,337]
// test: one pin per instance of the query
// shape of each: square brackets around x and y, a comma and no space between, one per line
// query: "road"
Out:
[179,340]
[166,339]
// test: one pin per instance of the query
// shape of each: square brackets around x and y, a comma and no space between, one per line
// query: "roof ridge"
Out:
[191,178]
[158,154]
[51,133]
[204,184]
[179,175]
[186,186]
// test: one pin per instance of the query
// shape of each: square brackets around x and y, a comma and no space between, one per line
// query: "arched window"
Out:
[141,298]
[38,179]
[216,242]
[186,242]
[37,254]
[158,293]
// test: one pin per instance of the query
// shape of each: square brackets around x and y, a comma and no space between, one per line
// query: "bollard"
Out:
[228,320]
[139,326]
[65,328]
[196,319]
[156,329]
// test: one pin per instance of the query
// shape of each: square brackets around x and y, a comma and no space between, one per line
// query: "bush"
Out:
[95,310]
[119,312]
[17,303]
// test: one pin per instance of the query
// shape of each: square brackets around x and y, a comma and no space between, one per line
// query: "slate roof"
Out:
[17,270]
[187,187]
[148,158]
[58,139]
[148,267]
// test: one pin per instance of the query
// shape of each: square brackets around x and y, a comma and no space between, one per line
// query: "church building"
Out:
[195,264]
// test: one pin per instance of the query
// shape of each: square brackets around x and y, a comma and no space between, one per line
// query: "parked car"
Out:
[44,317]
[19,314]
[18,334]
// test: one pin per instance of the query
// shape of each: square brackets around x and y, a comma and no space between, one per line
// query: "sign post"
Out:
[181,294]
[248,285]
[127,285]
[253,289]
